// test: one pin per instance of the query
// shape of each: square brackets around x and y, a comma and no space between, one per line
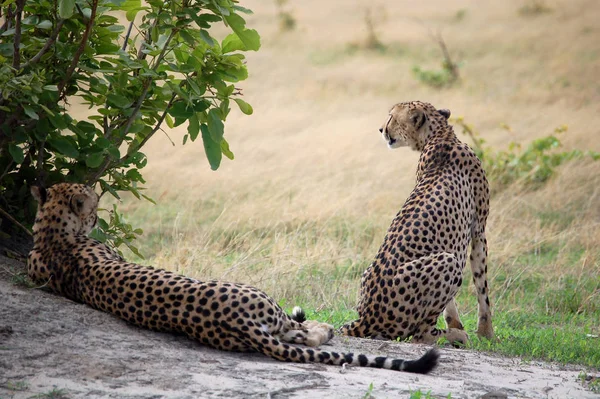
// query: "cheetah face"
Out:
[402,126]
[71,208]
[407,124]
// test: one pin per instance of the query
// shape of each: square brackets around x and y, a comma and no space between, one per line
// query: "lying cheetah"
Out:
[226,316]
[419,267]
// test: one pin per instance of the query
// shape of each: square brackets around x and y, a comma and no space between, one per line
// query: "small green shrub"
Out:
[369,393]
[287,22]
[533,8]
[435,78]
[590,381]
[117,231]
[447,76]
[533,166]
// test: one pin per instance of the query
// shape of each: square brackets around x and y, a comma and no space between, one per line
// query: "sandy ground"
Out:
[50,343]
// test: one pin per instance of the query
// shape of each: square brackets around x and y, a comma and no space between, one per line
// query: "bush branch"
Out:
[15,222]
[450,64]
[17,40]
[147,83]
[47,45]
[133,149]
[82,44]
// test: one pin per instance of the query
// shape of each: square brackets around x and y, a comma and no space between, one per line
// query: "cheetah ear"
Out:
[81,204]
[418,118]
[39,194]
[445,112]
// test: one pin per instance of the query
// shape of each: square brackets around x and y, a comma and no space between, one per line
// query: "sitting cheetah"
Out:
[226,316]
[419,267]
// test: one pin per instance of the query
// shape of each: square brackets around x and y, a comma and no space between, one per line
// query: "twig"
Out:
[156,128]
[127,36]
[80,50]
[17,40]
[43,285]
[10,164]
[7,20]
[47,45]
[16,222]
[451,65]
[41,173]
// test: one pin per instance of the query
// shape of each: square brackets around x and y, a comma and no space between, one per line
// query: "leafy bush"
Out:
[533,165]
[165,67]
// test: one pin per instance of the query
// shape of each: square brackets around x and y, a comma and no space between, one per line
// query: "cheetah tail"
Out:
[422,365]
[263,342]
[298,314]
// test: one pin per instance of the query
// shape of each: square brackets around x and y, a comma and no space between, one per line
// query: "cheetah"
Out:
[222,315]
[418,269]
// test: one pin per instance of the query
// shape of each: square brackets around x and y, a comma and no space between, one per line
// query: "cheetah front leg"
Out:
[479,269]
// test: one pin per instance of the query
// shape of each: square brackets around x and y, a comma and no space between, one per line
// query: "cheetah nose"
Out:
[380,130]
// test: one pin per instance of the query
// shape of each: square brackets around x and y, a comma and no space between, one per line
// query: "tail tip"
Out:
[298,314]
[425,364]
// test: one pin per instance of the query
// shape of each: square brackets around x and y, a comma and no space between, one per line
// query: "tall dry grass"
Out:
[306,203]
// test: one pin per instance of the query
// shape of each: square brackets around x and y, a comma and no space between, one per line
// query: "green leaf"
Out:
[244,106]
[30,112]
[64,146]
[154,34]
[193,127]
[86,127]
[232,42]
[44,25]
[169,121]
[50,87]
[16,153]
[243,9]
[188,38]
[114,152]
[212,149]
[249,37]
[225,149]
[130,15]
[65,8]
[206,37]
[181,110]
[215,125]
[94,160]
[118,101]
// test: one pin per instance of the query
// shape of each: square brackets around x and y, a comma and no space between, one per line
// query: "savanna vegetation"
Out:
[303,208]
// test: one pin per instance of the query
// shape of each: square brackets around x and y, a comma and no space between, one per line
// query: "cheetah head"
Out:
[411,124]
[67,208]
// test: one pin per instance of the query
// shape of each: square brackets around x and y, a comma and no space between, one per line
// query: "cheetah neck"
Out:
[437,134]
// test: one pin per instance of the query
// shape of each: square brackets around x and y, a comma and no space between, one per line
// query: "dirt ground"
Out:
[51,345]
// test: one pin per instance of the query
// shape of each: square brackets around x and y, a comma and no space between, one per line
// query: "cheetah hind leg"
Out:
[451,316]
[446,274]
[298,330]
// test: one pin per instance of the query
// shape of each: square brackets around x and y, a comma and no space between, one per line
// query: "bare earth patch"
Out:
[48,342]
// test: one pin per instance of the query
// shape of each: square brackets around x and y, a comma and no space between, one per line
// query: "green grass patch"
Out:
[557,338]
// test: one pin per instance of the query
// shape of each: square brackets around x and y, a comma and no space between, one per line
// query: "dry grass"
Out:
[305,205]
